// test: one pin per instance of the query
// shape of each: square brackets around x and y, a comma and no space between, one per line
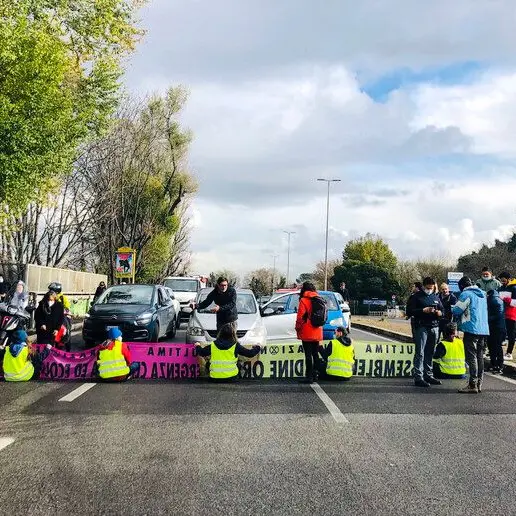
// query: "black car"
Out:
[142,312]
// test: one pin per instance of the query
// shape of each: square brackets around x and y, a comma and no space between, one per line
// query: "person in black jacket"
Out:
[224,298]
[448,299]
[49,318]
[344,292]
[497,330]
[416,287]
[426,309]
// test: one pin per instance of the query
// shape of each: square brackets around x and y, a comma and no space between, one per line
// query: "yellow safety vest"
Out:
[223,363]
[64,301]
[111,362]
[341,360]
[19,368]
[454,361]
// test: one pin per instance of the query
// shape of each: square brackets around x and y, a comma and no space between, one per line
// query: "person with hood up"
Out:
[471,310]
[309,335]
[17,363]
[49,318]
[224,353]
[508,295]
[338,356]
[497,330]
[487,281]
[100,290]
[426,309]
[20,297]
[114,360]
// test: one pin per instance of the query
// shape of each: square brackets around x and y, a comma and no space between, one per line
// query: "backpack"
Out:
[319,312]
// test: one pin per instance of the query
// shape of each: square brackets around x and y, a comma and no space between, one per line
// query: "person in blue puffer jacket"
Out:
[471,312]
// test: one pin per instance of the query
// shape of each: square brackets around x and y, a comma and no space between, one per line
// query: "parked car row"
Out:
[150,312]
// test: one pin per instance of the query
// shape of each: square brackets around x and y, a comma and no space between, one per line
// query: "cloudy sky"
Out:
[411,103]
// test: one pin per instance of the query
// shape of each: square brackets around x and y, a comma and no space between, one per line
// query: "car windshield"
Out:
[127,295]
[245,303]
[182,285]
[330,301]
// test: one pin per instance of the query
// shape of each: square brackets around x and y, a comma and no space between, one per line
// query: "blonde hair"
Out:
[445,285]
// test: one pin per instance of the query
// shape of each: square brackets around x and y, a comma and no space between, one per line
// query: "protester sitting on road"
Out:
[497,330]
[487,281]
[426,308]
[508,295]
[114,360]
[49,318]
[448,299]
[338,356]
[224,297]
[307,333]
[449,356]
[18,364]
[224,353]
[471,308]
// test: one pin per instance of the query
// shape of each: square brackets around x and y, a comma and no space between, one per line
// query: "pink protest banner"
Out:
[157,361]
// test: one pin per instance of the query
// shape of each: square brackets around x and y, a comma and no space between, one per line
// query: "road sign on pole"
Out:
[453,281]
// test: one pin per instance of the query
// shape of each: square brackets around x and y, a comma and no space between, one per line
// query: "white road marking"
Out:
[5,441]
[503,378]
[330,405]
[376,335]
[78,392]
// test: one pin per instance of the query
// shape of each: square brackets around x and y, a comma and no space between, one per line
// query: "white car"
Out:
[176,304]
[202,326]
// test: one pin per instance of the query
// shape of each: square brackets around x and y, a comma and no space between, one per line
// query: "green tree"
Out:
[233,277]
[370,249]
[60,64]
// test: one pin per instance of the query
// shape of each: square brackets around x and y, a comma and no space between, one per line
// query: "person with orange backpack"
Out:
[311,316]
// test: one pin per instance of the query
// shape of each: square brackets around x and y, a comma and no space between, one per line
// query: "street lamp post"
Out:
[328,181]
[274,256]
[288,253]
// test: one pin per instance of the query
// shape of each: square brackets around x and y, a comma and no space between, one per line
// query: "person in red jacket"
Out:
[508,295]
[309,335]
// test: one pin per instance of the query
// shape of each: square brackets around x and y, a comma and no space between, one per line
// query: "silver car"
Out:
[202,326]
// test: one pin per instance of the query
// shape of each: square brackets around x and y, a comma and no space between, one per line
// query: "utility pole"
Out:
[274,256]
[288,254]
[328,181]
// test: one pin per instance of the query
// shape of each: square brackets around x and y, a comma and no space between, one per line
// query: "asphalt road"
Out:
[257,447]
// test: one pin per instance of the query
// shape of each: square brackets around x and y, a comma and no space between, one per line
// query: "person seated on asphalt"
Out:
[338,356]
[114,360]
[49,318]
[471,310]
[449,356]
[224,353]
[18,364]
[426,309]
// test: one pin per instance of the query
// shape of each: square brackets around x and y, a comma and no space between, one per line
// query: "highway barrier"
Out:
[280,360]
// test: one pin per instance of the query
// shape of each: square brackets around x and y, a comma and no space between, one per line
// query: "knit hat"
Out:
[19,336]
[114,333]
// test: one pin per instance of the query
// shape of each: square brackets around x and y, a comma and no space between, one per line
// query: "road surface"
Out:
[372,446]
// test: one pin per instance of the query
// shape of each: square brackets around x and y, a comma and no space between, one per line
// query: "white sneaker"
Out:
[507,356]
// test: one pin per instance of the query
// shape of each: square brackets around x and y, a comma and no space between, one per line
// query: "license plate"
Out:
[111,328]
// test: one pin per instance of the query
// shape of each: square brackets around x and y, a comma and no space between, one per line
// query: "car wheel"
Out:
[154,336]
[172,333]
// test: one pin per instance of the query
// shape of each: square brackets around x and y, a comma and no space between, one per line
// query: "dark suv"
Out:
[142,312]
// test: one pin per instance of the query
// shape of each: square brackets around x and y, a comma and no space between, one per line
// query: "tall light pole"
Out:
[328,181]
[274,256]
[288,253]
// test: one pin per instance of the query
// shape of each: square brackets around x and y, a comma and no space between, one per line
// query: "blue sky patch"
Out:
[457,73]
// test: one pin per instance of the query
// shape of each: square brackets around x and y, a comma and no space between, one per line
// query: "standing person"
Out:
[100,290]
[344,292]
[487,281]
[224,353]
[307,333]
[508,295]
[49,318]
[224,298]
[4,287]
[448,299]
[497,330]
[416,287]
[472,310]
[426,309]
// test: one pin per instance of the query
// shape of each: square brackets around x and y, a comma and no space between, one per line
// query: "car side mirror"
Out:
[267,311]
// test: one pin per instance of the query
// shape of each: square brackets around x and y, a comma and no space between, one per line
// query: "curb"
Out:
[405,338]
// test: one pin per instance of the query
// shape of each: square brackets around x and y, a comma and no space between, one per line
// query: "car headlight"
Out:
[195,331]
[144,319]
[256,332]
[337,322]
[87,316]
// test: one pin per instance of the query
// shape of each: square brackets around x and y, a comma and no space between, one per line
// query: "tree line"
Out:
[84,168]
